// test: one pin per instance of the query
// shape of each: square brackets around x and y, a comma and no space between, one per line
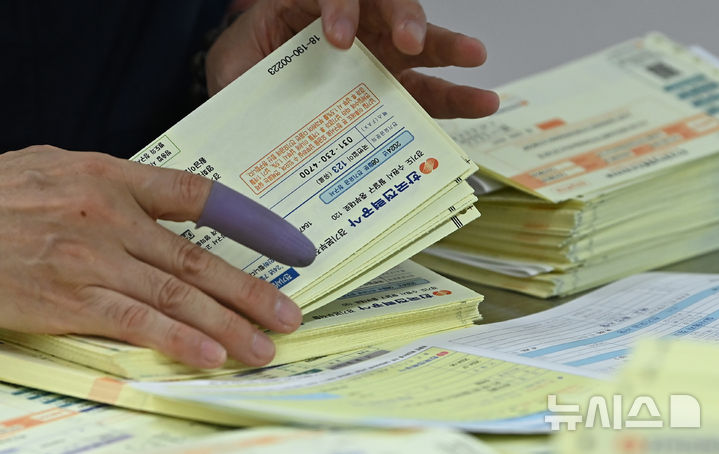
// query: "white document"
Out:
[596,332]
[509,267]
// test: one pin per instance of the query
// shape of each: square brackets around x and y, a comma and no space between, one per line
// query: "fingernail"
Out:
[262,347]
[343,31]
[287,312]
[213,354]
[415,30]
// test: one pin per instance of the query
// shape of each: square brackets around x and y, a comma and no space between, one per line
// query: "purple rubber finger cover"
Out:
[249,223]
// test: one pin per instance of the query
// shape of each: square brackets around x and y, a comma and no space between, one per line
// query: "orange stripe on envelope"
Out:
[551,124]
[618,152]
[106,389]
[12,426]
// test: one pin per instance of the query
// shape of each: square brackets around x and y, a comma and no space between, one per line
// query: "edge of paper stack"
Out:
[611,162]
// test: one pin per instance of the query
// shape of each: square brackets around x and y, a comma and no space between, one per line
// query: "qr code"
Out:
[187,234]
[663,70]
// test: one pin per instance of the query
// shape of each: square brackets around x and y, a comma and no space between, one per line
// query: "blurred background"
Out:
[527,36]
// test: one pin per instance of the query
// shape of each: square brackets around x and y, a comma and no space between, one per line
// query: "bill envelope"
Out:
[330,141]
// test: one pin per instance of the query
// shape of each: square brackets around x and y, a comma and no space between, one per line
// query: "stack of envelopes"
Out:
[350,159]
[542,248]
[407,302]
[611,163]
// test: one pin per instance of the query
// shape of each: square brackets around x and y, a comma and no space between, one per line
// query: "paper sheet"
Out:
[506,266]
[630,110]
[419,385]
[37,422]
[483,378]
[282,440]
[596,331]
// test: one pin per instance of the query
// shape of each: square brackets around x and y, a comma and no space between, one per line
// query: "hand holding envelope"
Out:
[82,253]
[396,31]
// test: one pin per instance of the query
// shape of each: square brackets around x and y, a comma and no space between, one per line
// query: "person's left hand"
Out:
[396,31]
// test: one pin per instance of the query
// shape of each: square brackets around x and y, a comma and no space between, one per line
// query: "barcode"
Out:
[663,70]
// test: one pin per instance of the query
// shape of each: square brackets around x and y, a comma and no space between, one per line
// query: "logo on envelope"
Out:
[428,166]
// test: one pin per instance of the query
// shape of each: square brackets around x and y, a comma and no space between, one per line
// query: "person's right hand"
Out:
[80,252]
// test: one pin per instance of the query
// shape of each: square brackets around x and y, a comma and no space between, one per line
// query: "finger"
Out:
[185,303]
[447,48]
[406,20]
[168,194]
[443,99]
[442,48]
[179,196]
[115,315]
[257,300]
[340,19]
[253,225]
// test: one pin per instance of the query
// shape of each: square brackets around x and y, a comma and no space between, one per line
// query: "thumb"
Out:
[177,195]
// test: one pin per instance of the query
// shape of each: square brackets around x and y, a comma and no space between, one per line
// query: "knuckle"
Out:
[132,318]
[39,148]
[59,246]
[175,336]
[232,327]
[254,292]
[188,187]
[171,295]
[192,260]
[34,178]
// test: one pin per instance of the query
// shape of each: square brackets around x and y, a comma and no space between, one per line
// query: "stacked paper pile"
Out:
[542,248]
[354,163]
[611,162]
[351,160]
[405,303]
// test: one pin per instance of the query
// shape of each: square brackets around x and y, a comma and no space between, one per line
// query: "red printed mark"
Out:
[428,166]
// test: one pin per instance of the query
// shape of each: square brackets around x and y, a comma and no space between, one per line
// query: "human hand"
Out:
[82,253]
[396,31]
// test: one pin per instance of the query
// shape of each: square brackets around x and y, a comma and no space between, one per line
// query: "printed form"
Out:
[599,122]
[330,141]
[492,378]
[37,422]
[595,332]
